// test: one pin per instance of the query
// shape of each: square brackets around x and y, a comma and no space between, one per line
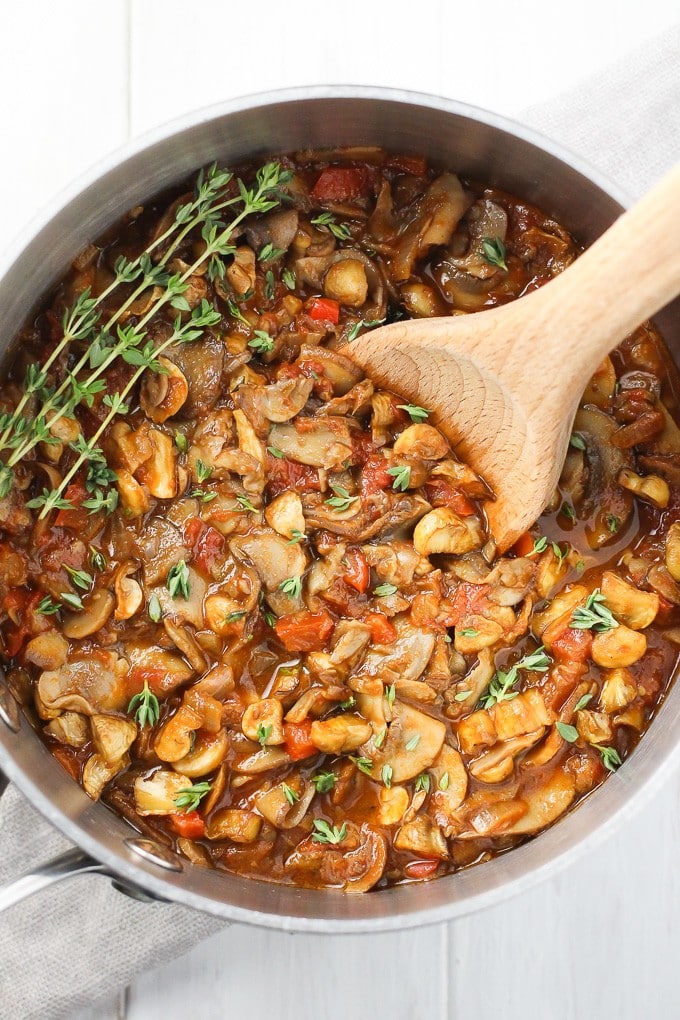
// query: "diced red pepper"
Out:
[524,545]
[323,309]
[374,476]
[442,493]
[304,631]
[299,740]
[415,165]
[341,184]
[383,631]
[188,824]
[421,869]
[572,645]
[76,518]
[357,571]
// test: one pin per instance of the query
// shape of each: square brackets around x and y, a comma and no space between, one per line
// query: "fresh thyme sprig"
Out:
[501,687]
[80,322]
[131,343]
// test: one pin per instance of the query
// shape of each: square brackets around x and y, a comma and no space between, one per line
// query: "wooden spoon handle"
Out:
[629,273]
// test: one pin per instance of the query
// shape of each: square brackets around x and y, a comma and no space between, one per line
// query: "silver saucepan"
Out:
[475,144]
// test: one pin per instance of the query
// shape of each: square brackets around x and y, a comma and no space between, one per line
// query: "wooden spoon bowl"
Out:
[504,384]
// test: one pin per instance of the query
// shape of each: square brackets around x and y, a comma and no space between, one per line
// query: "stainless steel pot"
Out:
[476,144]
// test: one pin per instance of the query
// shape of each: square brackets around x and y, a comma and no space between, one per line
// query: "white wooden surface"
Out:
[77,77]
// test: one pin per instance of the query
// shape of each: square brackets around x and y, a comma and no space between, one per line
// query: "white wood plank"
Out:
[600,940]
[245,970]
[453,49]
[63,79]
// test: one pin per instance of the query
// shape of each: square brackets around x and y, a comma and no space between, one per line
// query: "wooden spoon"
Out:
[504,384]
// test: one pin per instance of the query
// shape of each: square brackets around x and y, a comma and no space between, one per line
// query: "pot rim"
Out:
[563,851]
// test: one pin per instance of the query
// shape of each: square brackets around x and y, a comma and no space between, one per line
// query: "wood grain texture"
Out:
[244,971]
[600,940]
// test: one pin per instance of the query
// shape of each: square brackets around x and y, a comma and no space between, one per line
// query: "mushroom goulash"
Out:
[249,599]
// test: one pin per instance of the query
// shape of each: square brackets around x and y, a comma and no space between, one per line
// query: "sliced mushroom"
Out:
[673,550]
[422,441]
[47,651]
[393,804]
[87,685]
[129,595]
[163,394]
[156,794]
[263,722]
[405,658]
[175,736]
[237,824]
[618,690]
[652,488]
[98,772]
[159,473]
[545,803]
[439,213]
[340,734]
[275,804]
[619,647]
[98,608]
[112,737]
[422,836]
[450,785]
[324,444]
[70,728]
[263,760]
[443,531]
[413,742]
[637,609]
[207,754]
[284,514]
[274,558]
[604,496]
[278,402]
[170,668]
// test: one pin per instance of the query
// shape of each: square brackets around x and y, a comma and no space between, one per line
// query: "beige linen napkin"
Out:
[63,950]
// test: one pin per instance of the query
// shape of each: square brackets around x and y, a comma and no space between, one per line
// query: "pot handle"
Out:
[71,863]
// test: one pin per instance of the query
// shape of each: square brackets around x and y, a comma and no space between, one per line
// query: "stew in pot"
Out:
[249,599]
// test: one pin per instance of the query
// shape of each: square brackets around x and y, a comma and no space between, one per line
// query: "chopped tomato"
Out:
[206,543]
[188,824]
[304,631]
[341,184]
[299,740]
[466,600]
[421,869]
[323,309]
[76,518]
[208,548]
[357,571]
[383,630]
[374,476]
[441,493]
[524,545]
[154,676]
[415,165]
[20,605]
[283,475]
[572,645]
